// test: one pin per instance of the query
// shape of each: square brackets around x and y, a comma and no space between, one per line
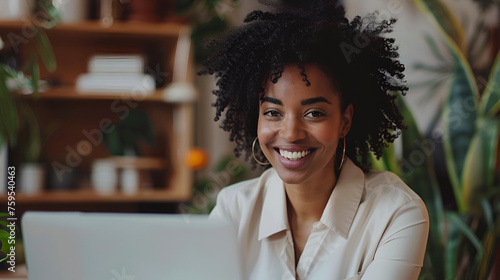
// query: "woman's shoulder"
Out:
[386,185]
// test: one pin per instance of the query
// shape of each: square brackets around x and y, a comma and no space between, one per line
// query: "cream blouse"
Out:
[373,227]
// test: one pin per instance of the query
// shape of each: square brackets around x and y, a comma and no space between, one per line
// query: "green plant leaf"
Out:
[50,12]
[9,121]
[4,238]
[460,114]
[44,48]
[434,48]
[453,239]
[460,110]
[488,213]
[4,223]
[417,171]
[445,21]
[390,161]
[377,163]
[113,142]
[35,74]
[465,230]
[479,165]
[387,161]
[490,102]
[490,245]
[33,149]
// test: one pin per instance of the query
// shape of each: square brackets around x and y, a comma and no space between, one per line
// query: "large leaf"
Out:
[4,237]
[418,172]
[460,110]
[490,245]
[33,137]
[463,228]
[490,102]
[387,161]
[9,123]
[453,240]
[460,114]
[35,74]
[479,165]
[44,48]
[445,21]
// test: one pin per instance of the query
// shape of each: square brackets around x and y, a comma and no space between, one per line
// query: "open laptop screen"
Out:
[73,245]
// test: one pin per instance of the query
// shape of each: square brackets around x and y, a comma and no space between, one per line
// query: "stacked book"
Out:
[120,74]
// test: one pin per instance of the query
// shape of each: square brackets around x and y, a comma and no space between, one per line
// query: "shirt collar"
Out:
[339,211]
[274,215]
[344,201]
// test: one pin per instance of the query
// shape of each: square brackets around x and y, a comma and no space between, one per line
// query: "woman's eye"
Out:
[272,113]
[315,114]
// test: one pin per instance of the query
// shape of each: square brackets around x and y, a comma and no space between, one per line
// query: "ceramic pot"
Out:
[103,176]
[31,178]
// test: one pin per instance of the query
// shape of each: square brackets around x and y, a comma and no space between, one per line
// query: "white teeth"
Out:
[294,155]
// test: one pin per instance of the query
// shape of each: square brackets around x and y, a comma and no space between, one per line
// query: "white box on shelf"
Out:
[116,64]
[132,84]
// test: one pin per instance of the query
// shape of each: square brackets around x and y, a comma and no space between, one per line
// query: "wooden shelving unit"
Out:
[70,93]
[90,196]
[167,47]
[171,29]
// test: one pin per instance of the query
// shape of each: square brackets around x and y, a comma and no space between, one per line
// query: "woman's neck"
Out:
[306,202]
[305,205]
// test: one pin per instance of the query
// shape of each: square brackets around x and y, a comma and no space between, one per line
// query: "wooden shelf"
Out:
[70,93]
[168,49]
[13,24]
[169,29]
[90,196]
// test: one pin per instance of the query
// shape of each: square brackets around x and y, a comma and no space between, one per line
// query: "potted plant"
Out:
[15,110]
[123,143]
[463,240]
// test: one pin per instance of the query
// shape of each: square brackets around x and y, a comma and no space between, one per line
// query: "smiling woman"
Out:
[300,84]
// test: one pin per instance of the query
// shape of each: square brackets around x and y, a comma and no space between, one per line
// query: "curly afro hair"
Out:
[362,63]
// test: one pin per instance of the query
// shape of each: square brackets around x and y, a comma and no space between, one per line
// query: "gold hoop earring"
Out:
[343,157]
[253,153]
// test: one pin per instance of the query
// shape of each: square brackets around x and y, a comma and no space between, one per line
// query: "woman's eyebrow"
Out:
[314,100]
[271,100]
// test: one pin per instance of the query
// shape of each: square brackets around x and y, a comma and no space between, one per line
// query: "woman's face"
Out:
[300,126]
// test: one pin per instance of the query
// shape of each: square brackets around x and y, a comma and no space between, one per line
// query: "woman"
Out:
[310,94]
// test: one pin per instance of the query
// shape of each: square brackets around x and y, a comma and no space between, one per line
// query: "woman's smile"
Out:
[294,157]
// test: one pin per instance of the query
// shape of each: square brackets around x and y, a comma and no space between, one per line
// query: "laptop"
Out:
[95,246]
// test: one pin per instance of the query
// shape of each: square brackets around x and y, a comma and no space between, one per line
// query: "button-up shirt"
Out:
[373,227]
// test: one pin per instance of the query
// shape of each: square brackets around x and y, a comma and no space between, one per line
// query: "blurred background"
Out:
[101,110]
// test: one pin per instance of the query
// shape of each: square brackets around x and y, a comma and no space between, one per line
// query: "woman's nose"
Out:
[292,129]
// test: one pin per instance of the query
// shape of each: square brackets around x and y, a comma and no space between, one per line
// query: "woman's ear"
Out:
[347,120]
